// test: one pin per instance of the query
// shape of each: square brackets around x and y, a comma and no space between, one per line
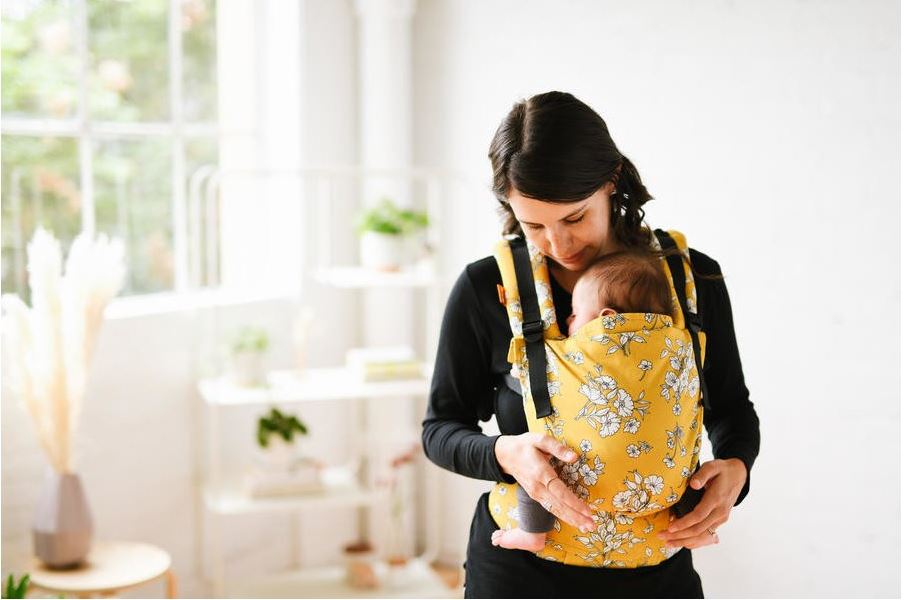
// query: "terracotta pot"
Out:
[360,563]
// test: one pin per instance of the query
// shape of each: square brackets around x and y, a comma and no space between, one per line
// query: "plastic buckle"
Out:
[694,322]
[533,331]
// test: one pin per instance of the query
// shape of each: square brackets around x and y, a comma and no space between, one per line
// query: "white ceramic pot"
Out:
[383,251]
[279,455]
[248,368]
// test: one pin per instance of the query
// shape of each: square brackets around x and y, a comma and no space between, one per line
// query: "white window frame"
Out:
[87,131]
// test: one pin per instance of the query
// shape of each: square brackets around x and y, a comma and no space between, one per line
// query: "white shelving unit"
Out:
[312,385]
[339,490]
[415,580]
[222,495]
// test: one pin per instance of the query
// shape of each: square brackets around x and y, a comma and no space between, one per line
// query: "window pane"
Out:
[40,65]
[129,60]
[132,201]
[199,28]
[200,152]
[40,187]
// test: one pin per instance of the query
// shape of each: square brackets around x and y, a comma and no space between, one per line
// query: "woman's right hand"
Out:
[527,458]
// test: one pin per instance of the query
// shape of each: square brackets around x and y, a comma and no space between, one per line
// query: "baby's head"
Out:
[620,282]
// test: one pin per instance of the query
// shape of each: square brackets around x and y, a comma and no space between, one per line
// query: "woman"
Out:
[562,184]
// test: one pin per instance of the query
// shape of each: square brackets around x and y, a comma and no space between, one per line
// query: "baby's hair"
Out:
[630,282]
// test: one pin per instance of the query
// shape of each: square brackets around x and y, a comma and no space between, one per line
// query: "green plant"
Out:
[13,590]
[251,339]
[276,423]
[387,218]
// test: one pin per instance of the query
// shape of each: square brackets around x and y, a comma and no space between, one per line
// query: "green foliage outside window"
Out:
[127,78]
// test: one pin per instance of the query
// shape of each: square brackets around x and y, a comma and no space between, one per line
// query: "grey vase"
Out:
[62,528]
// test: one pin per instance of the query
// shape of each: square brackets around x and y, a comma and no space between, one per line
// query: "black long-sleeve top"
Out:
[467,383]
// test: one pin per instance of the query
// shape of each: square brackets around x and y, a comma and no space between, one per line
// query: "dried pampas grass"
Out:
[50,345]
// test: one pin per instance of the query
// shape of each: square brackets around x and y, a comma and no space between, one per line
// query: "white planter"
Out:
[279,455]
[383,251]
[248,368]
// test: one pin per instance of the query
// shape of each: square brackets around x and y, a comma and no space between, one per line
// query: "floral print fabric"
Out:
[625,392]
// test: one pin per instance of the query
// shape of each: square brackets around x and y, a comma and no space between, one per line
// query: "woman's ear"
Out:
[606,312]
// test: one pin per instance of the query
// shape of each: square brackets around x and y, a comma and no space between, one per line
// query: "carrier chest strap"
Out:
[692,319]
[532,328]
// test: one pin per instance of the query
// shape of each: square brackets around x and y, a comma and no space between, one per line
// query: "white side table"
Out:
[110,568]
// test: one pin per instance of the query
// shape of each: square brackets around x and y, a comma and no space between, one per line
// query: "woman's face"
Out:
[572,234]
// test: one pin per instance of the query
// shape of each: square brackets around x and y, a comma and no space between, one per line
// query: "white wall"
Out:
[769,133]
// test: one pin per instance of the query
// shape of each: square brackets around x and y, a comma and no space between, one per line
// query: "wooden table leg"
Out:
[171,584]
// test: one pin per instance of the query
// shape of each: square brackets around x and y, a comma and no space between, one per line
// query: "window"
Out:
[109,106]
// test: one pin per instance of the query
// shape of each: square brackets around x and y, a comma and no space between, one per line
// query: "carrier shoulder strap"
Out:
[692,319]
[532,327]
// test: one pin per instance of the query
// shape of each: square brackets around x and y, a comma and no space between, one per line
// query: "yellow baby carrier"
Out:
[624,392]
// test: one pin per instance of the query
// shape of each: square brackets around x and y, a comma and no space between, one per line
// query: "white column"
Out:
[385,101]
[260,108]
[237,114]
[385,94]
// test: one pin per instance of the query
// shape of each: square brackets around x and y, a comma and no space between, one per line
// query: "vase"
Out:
[62,527]
[361,561]
[381,251]
[248,369]
[279,455]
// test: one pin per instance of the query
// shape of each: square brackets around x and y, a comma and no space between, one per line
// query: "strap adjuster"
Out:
[694,321]
[533,331]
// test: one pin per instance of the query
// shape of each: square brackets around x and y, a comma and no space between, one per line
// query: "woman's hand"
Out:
[723,481]
[527,458]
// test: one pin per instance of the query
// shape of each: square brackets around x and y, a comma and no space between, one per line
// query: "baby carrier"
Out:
[624,392]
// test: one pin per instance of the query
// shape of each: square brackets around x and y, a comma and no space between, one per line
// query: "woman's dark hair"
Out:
[554,147]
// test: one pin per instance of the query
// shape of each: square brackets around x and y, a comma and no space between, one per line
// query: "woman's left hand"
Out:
[723,481]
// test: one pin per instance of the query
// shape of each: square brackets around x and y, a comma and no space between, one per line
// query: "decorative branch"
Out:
[51,344]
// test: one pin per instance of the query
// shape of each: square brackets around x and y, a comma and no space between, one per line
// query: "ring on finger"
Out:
[547,505]
[711,531]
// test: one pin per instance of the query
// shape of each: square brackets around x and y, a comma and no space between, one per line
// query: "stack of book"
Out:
[384,363]
[262,480]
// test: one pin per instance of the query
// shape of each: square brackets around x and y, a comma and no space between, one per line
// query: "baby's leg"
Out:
[534,522]
[516,539]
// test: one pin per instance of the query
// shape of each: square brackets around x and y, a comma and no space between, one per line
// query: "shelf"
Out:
[310,385]
[361,277]
[340,490]
[414,580]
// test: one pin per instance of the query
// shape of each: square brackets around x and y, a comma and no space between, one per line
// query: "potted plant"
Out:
[277,436]
[248,349]
[397,554]
[16,590]
[360,560]
[386,231]
[51,344]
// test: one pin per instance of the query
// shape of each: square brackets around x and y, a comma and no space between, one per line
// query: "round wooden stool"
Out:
[110,568]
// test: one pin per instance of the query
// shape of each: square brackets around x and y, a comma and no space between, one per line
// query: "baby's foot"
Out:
[516,539]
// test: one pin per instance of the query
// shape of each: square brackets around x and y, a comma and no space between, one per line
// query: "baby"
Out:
[622,282]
